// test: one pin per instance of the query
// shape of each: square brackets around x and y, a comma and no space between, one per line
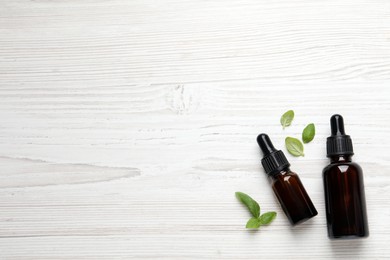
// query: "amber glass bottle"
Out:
[344,189]
[286,184]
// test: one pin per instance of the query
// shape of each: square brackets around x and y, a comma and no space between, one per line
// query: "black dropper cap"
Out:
[338,143]
[274,161]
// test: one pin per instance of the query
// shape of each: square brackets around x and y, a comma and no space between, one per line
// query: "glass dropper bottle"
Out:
[286,184]
[344,187]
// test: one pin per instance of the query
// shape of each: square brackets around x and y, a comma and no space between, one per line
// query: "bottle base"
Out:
[302,220]
[348,237]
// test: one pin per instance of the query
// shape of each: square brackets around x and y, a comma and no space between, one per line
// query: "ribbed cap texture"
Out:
[275,162]
[339,145]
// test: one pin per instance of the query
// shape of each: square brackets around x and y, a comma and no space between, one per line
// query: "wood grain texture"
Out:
[127,126]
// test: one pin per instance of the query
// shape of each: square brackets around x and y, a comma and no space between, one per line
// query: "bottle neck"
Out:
[341,158]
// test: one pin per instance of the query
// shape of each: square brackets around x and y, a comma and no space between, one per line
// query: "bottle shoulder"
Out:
[342,166]
[283,175]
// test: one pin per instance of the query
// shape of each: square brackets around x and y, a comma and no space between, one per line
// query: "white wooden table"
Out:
[127,126]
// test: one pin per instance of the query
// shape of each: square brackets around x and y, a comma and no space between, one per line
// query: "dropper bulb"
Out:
[338,143]
[337,125]
[265,144]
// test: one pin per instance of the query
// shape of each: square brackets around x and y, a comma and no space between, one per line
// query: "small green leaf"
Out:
[253,223]
[287,118]
[252,205]
[308,133]
[267,218]
[294,146]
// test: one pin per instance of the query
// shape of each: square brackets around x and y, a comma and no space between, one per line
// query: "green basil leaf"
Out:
[287,118]
[267,218]
[253,223]
[252,205]
[294,146]
[308,133]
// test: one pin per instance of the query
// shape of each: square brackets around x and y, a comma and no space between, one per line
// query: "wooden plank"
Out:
[127,126]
